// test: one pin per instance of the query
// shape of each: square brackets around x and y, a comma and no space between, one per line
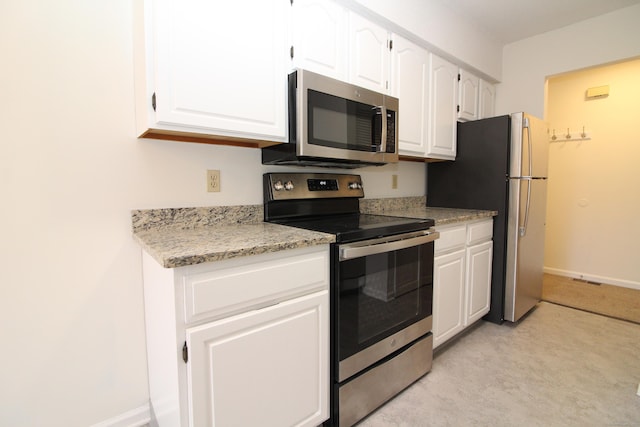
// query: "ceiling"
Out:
[511,20]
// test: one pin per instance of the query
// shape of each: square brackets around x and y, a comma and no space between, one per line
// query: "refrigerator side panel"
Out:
[477,179]
[513,219]
[525,253]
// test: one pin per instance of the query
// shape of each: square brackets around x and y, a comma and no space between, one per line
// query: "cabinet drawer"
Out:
[225,291]
[479,232]
[450,238]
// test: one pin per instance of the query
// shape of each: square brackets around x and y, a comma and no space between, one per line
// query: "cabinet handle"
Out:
[185,352]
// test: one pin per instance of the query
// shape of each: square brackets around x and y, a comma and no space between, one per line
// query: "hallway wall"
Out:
[594,197]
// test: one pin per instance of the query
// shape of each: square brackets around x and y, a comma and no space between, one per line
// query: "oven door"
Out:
[384,299]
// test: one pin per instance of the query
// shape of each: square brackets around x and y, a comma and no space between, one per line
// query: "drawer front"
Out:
[227,291]
[451,238]
[479,232]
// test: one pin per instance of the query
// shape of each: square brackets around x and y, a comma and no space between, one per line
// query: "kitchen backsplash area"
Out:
[392,204]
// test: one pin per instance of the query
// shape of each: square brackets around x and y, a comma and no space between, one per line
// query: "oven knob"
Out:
[354,186]
[278,186]
[288,185]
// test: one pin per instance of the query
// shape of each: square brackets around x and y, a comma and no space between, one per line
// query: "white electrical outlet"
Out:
[213,181]
[394,181]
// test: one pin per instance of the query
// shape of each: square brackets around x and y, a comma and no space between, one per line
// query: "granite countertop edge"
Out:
[179,237]
[178,247]
[444,216]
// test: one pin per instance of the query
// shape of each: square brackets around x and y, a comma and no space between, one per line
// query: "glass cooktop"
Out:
[353,227]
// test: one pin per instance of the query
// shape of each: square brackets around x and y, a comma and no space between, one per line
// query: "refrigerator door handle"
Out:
[523,228]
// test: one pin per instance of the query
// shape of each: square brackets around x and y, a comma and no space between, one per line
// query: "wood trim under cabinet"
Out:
[169,135]
[420,159]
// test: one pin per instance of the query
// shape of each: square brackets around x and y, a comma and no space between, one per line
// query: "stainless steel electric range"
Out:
[381,287]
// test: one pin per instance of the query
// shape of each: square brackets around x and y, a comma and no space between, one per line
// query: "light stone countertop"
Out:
[176,247]
[177,237]
[443,216]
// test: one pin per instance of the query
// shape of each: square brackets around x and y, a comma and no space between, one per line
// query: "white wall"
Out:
[71,170]
[593,199]
[526,65]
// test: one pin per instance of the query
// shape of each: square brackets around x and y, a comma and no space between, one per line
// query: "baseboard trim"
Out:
[134,418]
[593,278]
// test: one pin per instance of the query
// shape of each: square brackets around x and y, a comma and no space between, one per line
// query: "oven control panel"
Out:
[290,186]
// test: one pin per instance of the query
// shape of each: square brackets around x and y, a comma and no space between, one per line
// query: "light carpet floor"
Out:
[557,367]
[614,301]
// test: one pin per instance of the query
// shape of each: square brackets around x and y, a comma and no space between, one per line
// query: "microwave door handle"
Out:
[382,111]
[383,134]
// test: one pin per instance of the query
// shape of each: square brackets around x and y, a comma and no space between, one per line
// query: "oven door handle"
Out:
[386,244]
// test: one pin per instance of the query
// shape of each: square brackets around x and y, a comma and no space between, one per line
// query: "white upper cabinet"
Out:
[443,109]
[410,84]
[487,99]
[369,54]
[335,42]
[477,97]
[213,69]
[319,29]
[469,96]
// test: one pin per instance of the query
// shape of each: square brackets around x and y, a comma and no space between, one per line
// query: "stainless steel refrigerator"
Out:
[501,165]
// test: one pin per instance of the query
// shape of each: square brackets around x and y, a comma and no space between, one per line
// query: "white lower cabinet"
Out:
[240,342]
[448,296]
[462,277]
[266,360]
[478,281]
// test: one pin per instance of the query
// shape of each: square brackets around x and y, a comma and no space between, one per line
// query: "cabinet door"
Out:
[221,69]
[267,367]
[410,84]
[443,111]
[320,37]
[469,96]
[487,100]
[448,296]
[369,54]
[478,281]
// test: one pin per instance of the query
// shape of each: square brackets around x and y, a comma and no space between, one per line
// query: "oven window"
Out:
[381,294]
[340,123]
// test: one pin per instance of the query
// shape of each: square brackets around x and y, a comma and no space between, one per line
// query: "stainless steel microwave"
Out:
[336,124]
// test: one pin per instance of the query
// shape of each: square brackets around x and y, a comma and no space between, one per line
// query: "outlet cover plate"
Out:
[213,181]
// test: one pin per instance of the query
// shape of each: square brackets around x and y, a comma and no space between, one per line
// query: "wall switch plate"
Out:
[394,181]
[213,181]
